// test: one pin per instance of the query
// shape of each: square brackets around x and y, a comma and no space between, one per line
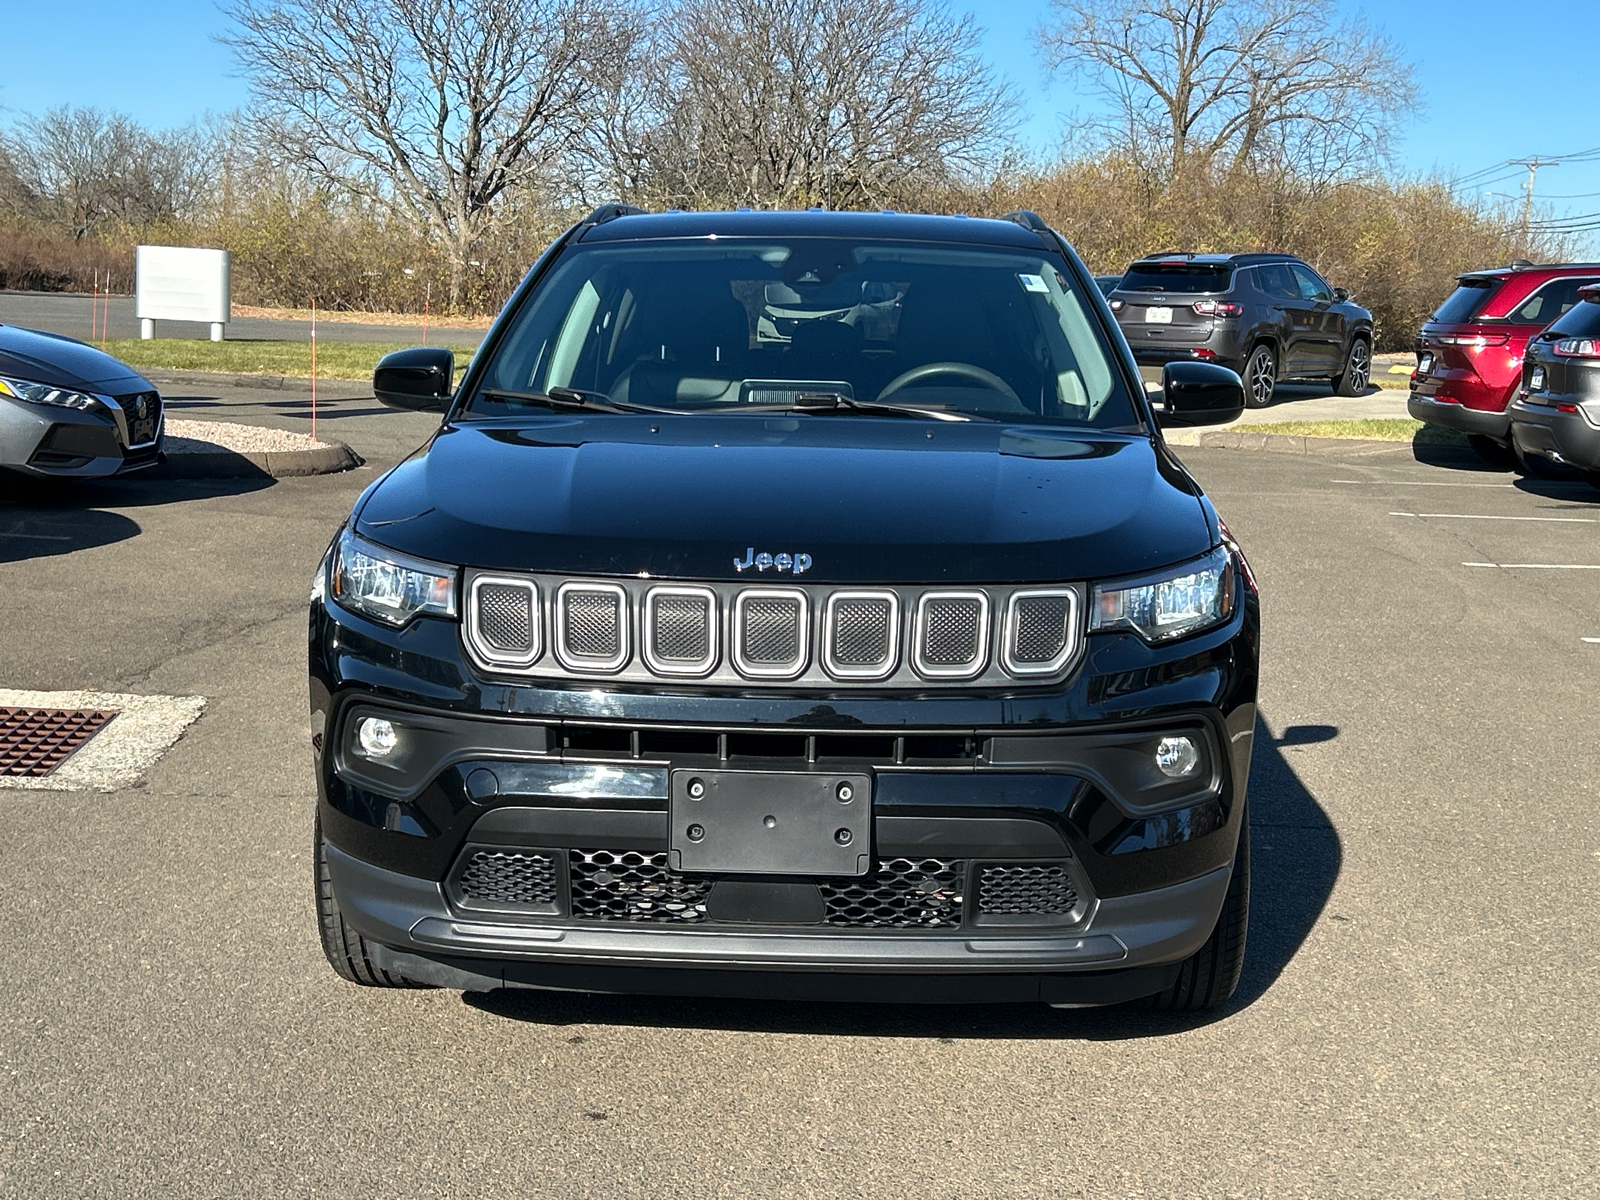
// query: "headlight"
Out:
[1177,602]
[390,587]
[44,393]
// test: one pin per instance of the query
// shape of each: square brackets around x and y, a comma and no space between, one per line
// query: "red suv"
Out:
[1469,354]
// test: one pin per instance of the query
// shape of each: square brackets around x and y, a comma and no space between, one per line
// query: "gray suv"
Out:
[1269,317]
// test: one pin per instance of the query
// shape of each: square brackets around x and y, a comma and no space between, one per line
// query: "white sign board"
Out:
[181,283]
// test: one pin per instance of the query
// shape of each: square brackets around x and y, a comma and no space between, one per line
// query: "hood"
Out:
[867,499]
[64,362]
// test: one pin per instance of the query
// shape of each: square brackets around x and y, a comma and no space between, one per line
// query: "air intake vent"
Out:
[680,630]
[1033,889]
[503,620]
[952,635]
[591,626]
[771,633]
[861,635]
[1041,631]
[507,879]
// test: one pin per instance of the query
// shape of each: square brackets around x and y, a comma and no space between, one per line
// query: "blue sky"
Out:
[1484,99]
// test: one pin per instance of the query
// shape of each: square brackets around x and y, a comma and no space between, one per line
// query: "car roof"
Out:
[814,223]
[1534,270]
[1237,260]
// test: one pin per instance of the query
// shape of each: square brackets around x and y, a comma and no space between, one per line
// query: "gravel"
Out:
[208,437]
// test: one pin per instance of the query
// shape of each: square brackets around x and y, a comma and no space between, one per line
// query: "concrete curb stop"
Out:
[278,464]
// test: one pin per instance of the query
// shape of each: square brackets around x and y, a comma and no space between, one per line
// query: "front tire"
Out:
[1357,372]
[1260,377]
[1210,975]
[348,953]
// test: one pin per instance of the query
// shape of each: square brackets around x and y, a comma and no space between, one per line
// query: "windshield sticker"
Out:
[1032,283]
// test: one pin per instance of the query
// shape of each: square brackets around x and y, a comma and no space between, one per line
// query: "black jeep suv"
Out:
[790,605]
[1268,316]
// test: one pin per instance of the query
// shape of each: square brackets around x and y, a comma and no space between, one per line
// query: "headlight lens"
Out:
[390,587]
[44,393]
[1174,604]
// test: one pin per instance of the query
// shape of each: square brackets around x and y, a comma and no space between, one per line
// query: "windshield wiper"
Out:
[833,402]
[575,398]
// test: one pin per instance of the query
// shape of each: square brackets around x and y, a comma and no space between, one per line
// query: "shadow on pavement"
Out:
[43,518]
[1295,861]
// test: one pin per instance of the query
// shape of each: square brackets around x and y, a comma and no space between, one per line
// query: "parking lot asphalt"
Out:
[1416,1018]
[71,314]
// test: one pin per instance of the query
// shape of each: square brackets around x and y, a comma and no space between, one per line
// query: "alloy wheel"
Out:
[1360,366]
[1259,375]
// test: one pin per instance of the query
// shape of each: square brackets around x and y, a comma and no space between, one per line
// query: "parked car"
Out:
[68,410]
[1269,317]
[895,660]
[1556,419]
[1470,352]
[1107,283]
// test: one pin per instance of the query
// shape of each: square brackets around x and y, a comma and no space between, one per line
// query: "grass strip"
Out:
[1373,429]
[335,360]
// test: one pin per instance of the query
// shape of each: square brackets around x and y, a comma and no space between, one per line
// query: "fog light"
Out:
[377,737]
[1177,757]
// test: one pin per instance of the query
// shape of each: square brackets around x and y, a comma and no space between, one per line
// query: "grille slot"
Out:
[633,885]
[952,634]
[510,878]
[1041,629]
[771,632]
[1032,889]
[680,635]
[903,893]
[592,626]
[504,624]
[861,634]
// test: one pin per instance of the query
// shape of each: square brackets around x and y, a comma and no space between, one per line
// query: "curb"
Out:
[1240,438]
[274,383]
[276,464]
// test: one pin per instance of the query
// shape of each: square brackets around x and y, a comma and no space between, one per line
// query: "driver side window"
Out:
[1311,287]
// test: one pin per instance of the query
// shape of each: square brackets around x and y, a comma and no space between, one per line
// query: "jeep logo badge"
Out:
[798,563]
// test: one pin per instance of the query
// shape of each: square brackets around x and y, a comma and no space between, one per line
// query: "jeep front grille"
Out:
[680,630]
[592,626]
[952,634]
[802,635]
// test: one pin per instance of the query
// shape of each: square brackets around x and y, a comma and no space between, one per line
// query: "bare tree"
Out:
[434,108]
[1195,83]
[845,103]
[80,169]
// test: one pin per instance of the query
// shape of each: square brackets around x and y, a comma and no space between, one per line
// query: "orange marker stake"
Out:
[313,370]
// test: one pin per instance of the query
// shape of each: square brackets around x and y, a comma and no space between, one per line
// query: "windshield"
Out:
[710,325]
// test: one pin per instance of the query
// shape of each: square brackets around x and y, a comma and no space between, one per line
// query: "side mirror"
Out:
[1341,294]
[1199,393]
[419,379]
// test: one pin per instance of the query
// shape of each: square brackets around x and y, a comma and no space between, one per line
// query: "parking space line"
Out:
[1592,641]
[1537,566]
[1482,517]
[1422,483]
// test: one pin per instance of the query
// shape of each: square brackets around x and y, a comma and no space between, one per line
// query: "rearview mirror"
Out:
[418,379]
[1199,393]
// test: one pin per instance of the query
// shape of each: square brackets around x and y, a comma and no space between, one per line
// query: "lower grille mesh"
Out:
[633,885]
[510,877]
[1032,889]
[904,893]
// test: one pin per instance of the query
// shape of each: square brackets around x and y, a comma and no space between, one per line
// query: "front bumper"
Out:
[963,782]
[1451,415]
[71,443]
[1564,437]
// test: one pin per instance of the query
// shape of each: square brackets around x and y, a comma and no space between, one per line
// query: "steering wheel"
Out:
[928,370]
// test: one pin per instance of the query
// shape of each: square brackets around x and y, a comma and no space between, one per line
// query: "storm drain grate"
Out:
[35,741]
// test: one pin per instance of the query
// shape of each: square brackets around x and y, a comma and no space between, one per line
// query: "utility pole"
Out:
[1533,164]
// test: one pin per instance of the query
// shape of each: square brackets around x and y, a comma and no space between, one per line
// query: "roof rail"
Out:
[610,212]
[1028,219]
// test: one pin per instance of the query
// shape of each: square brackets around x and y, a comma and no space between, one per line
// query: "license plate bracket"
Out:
[770,822]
